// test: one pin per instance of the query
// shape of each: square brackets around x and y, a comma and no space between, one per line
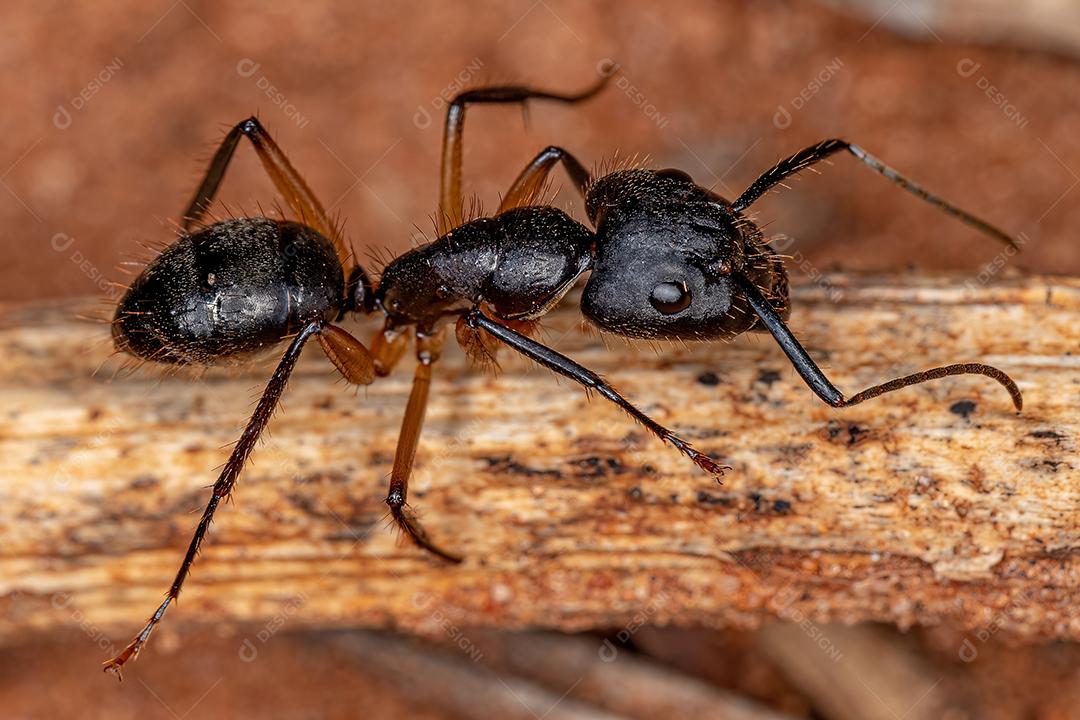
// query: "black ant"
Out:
[669,259]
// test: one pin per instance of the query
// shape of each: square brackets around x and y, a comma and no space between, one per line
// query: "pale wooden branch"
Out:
[935,504]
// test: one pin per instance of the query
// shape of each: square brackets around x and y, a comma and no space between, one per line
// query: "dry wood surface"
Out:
[935,504]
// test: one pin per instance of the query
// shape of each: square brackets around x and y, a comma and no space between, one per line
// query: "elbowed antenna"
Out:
[824,389]
[816,153]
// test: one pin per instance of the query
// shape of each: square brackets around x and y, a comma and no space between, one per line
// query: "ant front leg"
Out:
[427,352]
[526,188]
[824,389]
[816,153]
[559,363]
[451,200]
[289,183]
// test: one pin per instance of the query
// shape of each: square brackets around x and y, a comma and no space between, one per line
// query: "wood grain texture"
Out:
[935,504]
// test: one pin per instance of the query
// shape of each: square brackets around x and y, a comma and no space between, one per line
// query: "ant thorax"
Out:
[518,263]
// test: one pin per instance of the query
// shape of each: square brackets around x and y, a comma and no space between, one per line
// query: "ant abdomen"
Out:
[229,290]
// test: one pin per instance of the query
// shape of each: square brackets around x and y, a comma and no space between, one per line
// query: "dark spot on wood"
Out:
[794,452]
[709,378]
[756,499]
[319,478]
[782,507]
[593,466]
[847,433]
[635,493]
[1048,435]
[963,408]
[505,464]
[707,499]
[768,377]
[94,413]
[142,482]
[380,457]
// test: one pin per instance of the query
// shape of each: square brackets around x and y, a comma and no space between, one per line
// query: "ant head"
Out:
[665,252]
[628,191]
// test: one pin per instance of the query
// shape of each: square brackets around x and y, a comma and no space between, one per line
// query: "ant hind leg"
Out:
[224,485]
[289,183]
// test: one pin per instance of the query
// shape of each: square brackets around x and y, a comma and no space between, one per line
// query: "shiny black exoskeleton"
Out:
[665,253]
[668,259]
[519,263]
[230,290]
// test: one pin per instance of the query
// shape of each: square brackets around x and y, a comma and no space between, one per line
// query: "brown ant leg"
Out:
[526,188]
[352,360]
[450,197]
[556,362]
[816,153]
[388,346]
[287,180]
[355,363]
[427,352]
[815,378]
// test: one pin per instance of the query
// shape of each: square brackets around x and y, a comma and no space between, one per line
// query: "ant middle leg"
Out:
[427,352]
[289,183]
[816,153]
[526,188]
[559,363]
[451,199]
[813,376]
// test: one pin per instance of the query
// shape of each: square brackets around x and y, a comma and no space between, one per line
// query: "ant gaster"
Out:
[668,259]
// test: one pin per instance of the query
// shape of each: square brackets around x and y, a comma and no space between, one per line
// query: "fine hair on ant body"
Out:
[669,260]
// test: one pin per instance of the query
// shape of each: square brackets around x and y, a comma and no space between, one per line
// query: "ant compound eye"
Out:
[670,297]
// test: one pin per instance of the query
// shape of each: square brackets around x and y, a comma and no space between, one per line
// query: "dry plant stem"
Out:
[598,672]
[858,673]
[937,503]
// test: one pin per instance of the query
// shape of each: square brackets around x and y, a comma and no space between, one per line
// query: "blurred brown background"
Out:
[112,109]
